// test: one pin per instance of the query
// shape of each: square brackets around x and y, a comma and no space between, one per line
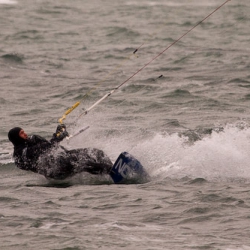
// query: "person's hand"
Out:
[60,133]
[60,128]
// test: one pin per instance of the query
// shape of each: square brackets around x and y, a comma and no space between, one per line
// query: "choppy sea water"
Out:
[185,117]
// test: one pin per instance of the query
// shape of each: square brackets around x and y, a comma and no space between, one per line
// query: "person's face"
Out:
[23,135]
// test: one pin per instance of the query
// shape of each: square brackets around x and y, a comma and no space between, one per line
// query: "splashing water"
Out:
[222,155]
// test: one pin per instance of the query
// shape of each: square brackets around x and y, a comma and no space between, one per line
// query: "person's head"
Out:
[17,136]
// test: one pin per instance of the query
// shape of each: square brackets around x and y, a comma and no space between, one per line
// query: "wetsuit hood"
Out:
[14,136]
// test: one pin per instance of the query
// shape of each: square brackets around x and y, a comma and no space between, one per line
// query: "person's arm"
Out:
[36,145]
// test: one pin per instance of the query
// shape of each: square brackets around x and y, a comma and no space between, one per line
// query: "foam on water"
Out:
[172,3]
[222,155]
[8,2]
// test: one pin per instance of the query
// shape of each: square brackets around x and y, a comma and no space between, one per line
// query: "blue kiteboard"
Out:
[128,169]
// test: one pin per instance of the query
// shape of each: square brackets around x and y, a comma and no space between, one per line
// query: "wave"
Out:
[122,32]
[13,57]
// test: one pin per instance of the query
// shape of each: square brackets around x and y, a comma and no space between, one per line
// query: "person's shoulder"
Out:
[36,139]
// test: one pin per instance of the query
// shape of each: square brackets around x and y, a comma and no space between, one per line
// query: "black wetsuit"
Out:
[38,155]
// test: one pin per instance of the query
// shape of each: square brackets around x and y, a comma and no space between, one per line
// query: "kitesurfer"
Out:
[36,154]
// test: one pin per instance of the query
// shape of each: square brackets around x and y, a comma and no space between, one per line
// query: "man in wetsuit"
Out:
[36,154]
